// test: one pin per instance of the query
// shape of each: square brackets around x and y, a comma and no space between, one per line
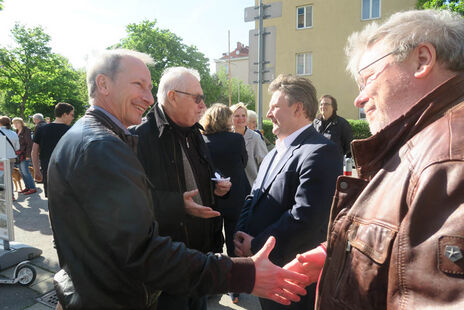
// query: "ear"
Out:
[426,57]
[171,95]
[298,108]
[102,84]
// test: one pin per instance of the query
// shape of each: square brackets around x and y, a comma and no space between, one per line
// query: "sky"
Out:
[78,28]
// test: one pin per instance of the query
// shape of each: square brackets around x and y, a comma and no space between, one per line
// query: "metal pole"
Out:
[230,75]
[260,65]
[238,90]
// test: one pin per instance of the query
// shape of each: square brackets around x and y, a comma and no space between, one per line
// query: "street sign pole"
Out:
[262,49]
[260,65]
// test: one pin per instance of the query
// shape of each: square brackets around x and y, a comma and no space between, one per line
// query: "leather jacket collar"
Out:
[370,153]
[130,140]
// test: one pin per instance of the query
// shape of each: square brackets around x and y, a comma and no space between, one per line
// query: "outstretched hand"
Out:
[309,263]
[272,282]
[194,209]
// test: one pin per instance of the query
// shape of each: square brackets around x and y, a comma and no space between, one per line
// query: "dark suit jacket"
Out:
[229,157]
[293,204]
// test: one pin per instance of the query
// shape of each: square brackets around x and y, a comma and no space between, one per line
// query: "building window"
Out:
[304,64]
[304,17]
[370,9]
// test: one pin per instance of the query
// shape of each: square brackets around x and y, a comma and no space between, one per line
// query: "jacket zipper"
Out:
[179,183]
[342,267]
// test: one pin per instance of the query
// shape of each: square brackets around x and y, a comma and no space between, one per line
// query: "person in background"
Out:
[396,234]
[291,197]
[46,138]
[38,120]
[229,157]
[252,122]
[255,146]
[333,126]
[102,216]
[24,156]
[48,120]
[12,142]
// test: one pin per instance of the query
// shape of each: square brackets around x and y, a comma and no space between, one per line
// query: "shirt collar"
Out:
[113,118]
[284,145]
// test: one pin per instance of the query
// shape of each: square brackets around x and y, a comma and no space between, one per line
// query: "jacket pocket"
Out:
[364,269]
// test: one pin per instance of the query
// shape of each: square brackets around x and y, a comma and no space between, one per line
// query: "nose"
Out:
[361,99]
[149,98]
[268,114]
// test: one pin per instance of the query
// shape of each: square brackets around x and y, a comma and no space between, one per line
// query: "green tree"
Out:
[1,5]
[168,50]
[241,92]
[453,5]
[33,79]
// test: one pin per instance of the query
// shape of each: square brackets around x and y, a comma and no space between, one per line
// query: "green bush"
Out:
[268,135]
[360,128]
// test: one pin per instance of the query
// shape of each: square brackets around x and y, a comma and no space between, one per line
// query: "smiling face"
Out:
[285,118]
[384,87]
[326,108]
[240,119]
[128,95]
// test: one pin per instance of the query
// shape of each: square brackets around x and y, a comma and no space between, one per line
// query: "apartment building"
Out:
[310,40]
[238,63]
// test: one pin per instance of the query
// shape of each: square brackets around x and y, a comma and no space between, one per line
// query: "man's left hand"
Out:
[222,188]
[242,242]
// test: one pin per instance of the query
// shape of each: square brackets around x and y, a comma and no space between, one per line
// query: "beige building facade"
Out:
[238,63]
[310,40]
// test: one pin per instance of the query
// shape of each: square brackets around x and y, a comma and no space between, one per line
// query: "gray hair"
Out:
[252,115]
[38,116]
[404,31]
[108,62]
[172,79]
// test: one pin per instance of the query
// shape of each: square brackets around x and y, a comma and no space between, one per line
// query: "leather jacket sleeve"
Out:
[113,195]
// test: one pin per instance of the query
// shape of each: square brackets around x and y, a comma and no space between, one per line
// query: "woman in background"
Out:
[255,146]
[229,157]
[24,158]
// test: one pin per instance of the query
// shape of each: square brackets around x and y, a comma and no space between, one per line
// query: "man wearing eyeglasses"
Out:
[178,166]
[396,233]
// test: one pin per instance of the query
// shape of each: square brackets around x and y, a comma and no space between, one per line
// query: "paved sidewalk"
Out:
[32,227]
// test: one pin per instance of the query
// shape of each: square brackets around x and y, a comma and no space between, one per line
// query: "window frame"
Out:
[312,16]
[304,63]
[370,10]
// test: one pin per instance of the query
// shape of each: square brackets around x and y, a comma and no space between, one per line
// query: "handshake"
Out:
[283,285]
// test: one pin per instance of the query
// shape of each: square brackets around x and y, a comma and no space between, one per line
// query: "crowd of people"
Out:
[138,203]
[24,147]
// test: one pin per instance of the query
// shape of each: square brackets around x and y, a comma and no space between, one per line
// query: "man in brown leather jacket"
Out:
[396,233]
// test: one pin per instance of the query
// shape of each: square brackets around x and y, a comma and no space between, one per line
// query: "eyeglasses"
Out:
[362,84]
[325,103]
[198,98]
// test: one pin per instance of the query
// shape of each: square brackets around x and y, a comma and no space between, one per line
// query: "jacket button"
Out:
[343,185]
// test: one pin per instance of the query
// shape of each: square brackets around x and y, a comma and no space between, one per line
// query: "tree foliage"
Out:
[33,79]
[453,5]
[241,92]
[167,49]
[1,5]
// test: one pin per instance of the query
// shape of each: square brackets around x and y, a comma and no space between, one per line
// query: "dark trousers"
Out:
[306,302]
[181,302]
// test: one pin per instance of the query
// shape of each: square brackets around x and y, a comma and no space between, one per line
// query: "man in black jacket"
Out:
[332,126]
[107,240]
[177,163]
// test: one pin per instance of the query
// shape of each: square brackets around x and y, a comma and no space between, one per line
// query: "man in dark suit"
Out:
[291,196]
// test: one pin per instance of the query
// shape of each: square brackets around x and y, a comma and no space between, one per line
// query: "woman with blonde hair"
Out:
[229,157]
[24,157]
[255,146]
